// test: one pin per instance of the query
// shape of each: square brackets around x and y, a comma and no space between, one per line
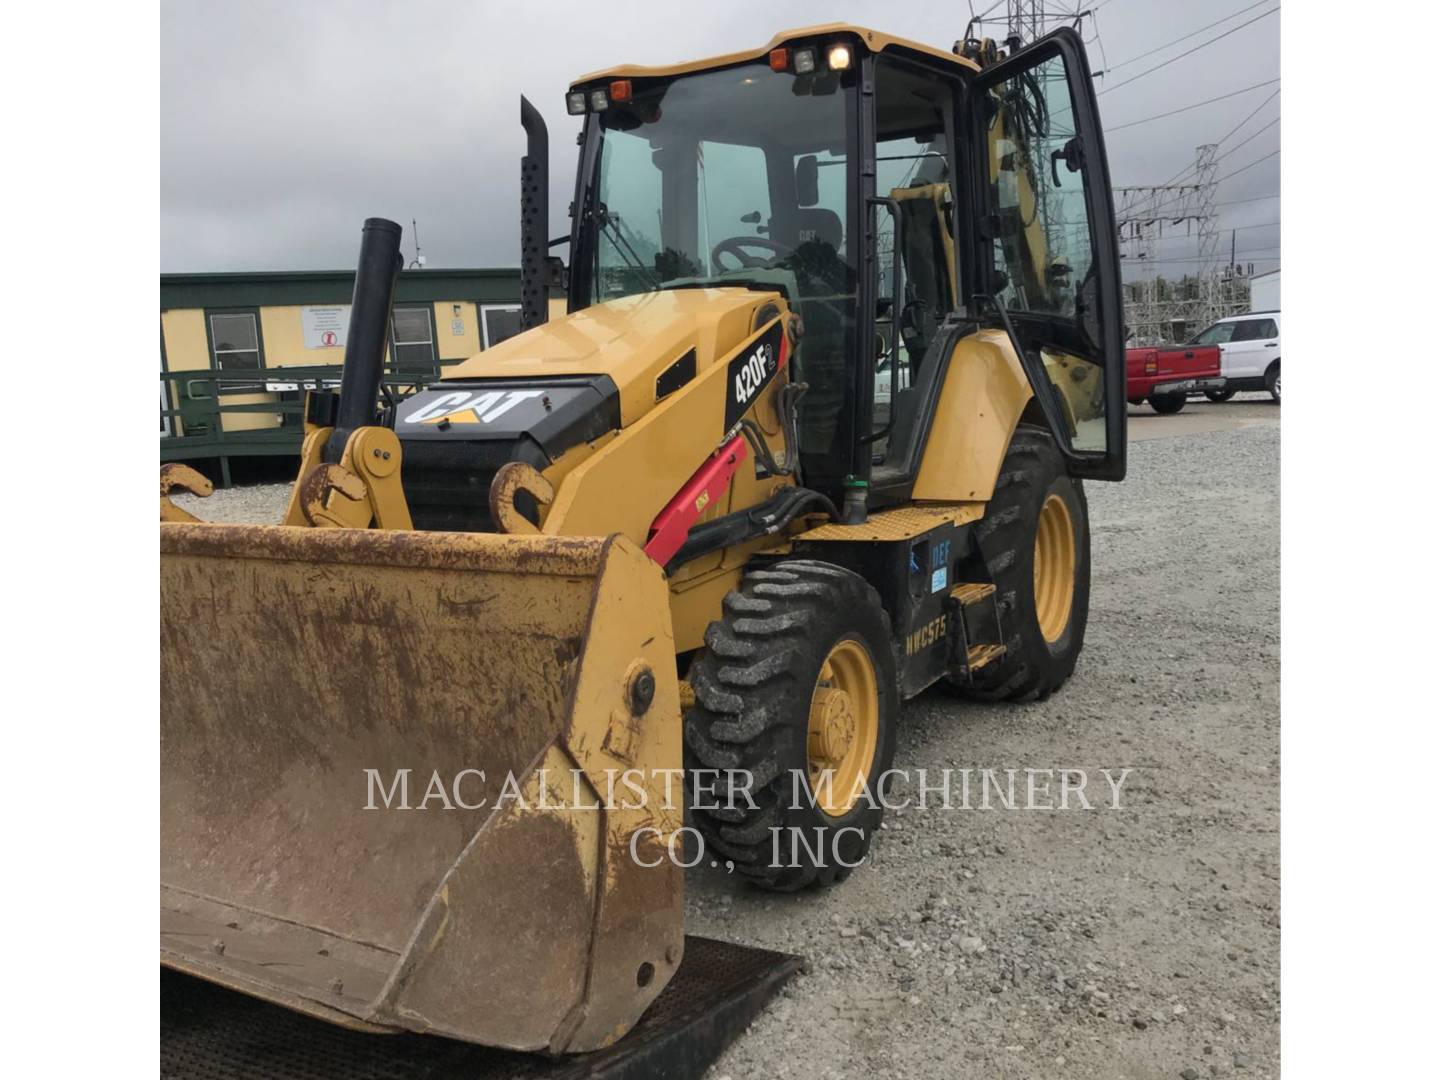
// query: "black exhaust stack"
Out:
[534,217]
[375,277]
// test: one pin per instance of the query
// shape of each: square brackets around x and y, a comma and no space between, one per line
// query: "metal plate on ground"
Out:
[210,1033]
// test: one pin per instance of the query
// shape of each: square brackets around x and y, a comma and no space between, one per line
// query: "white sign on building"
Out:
[325,327]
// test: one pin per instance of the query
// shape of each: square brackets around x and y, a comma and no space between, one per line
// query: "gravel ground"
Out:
[1132,943]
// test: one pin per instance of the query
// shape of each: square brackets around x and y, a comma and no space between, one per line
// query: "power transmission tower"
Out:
[1209,232]
[1158,308]
[1025,20]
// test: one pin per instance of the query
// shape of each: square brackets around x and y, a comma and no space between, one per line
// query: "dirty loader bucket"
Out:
[330,699]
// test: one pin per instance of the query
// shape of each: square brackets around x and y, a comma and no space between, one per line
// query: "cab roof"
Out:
[874,40]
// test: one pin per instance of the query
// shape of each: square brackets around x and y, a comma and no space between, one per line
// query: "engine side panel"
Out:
[635,340]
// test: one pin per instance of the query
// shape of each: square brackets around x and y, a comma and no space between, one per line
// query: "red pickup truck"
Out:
[1165,375]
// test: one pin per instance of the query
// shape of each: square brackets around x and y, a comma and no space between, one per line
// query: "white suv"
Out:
[1249,352]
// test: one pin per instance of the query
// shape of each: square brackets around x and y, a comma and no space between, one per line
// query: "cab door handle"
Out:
[1272,345]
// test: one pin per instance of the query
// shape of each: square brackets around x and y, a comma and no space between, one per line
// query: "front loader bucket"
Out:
[394,778]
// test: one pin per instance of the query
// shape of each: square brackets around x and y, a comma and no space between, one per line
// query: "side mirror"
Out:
[807,181]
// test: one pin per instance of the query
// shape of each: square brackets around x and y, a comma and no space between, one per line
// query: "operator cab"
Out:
[834,167]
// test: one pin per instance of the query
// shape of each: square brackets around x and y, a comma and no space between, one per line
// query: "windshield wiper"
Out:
[611,223]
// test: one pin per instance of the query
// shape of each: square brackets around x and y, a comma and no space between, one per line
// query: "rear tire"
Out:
[1272,381]
[1167,404]
[1016,529]
[757,684]
[1219,396]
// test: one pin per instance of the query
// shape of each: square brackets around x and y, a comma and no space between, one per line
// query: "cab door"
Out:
[1045,265]
[1252,345]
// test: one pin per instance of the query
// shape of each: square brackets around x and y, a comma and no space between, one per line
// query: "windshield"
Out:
[724,175]
[739,177]
[1216,334]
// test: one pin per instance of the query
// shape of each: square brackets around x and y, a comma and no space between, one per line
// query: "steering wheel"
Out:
[733,246]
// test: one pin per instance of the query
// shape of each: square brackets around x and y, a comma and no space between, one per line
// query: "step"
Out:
[972,592]
[974,632]
[977,656]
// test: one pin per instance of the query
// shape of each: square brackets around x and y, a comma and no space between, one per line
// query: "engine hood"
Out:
[547,394]
[635,341]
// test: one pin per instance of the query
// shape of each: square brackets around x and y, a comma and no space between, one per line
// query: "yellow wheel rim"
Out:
[1054,568]
[844,727]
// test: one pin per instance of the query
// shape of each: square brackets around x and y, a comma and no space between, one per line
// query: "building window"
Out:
[498,322]
[412,339]
[234,342]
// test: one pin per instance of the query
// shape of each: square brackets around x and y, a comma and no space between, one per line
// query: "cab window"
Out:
[1043,244]
[914,126]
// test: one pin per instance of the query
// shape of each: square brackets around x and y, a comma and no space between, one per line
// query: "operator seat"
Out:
[814,223]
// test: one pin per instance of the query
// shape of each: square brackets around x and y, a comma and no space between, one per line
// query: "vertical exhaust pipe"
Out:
[534,217]
[375,277]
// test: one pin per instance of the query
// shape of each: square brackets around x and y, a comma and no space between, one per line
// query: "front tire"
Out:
[1167,404]
[797,676]
[1219,396]
[1272,381]
[1035,539]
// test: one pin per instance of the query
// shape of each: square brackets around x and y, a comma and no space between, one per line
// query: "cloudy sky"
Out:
[284,125]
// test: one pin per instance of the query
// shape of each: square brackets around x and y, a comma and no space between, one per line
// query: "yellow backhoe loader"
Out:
[843,338]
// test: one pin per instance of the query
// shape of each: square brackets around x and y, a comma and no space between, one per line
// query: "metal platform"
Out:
[210,1033]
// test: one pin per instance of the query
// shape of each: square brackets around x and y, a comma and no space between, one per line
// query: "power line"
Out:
[1247,119]
[981,17]
[1190,52]
[1253,135]
[1209,101]
[1253,198]
[1181,196]
[1200,258]
[1095,22]
[1252,164]
[1188,169]
[1162,48]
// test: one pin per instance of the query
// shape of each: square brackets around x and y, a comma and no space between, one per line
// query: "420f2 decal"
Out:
[750,373]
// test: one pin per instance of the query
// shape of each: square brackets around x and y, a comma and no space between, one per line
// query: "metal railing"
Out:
[212,414]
